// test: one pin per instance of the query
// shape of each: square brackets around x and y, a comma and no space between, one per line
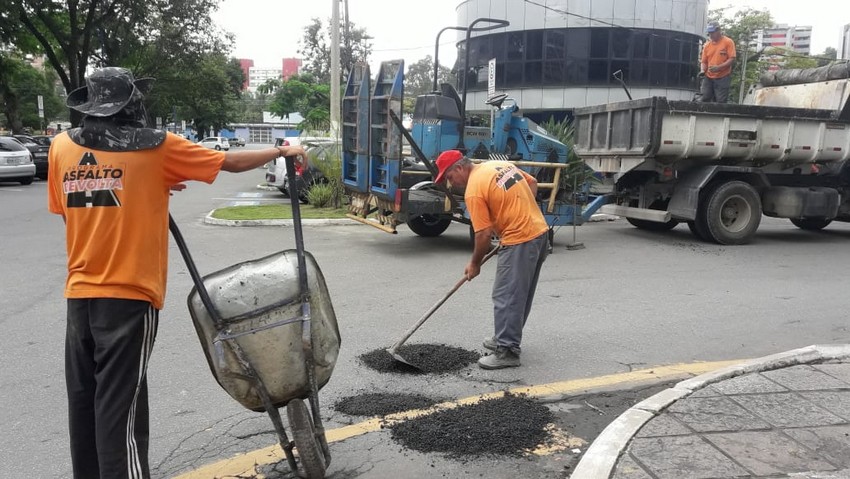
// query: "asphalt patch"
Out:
[381,404]
[428,358]
[505,426]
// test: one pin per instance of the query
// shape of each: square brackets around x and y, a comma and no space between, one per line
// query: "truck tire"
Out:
[697,230]
[731,213]
[312,459]
[811,224]
[429,226]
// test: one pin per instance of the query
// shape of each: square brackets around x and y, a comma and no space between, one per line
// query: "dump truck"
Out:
[719,167]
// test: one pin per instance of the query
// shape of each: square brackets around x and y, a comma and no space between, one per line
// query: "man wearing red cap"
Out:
[500,199]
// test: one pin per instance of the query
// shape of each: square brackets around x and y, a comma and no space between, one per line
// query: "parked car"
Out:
[276,172]
[236,141]
[15,161]
[38,146]
[216,143]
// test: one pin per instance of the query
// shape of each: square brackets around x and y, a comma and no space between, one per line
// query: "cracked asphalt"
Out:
[631,300]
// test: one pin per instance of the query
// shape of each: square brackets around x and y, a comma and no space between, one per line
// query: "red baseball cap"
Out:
[445,161]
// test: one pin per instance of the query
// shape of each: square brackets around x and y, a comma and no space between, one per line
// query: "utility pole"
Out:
[335,102]
[746,42]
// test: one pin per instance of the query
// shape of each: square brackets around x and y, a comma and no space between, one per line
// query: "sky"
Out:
[269,30]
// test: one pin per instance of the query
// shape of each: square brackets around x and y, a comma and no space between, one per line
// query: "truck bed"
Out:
[616,137]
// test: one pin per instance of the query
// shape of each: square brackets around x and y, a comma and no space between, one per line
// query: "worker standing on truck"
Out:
[718,55]
[110,180]
[500,199]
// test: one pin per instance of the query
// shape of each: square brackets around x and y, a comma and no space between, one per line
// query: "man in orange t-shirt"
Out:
[500,199]
[110,180]
[718,55]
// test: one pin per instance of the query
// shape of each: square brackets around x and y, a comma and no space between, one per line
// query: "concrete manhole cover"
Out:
[429,358]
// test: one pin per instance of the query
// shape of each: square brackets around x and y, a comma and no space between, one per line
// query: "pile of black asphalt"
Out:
[381,404]
[508,425]
[427,359]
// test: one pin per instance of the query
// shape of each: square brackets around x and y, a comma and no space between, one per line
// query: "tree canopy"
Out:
[160,38]
[315,49]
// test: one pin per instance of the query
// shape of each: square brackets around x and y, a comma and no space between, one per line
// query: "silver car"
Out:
[15,162]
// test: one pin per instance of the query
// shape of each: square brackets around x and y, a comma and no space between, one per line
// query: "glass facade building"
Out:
[563,54]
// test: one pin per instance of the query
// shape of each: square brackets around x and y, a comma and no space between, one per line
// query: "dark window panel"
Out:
[533,73]
[515,45]
[554,41]
[639,73]
[578,42]
[497,44]
[657,74]
[599,42]
[659,45]
[513,74]
[553,73]
[674,48]
[687,75]
[597,72]
[672,74]
[534,42]
[640,44]
[576,72]
[621,40]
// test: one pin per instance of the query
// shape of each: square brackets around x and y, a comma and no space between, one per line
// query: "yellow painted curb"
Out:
[246,464]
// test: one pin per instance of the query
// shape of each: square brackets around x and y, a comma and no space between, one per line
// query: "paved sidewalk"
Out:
[786,415]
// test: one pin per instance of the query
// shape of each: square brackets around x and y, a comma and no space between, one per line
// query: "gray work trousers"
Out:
[716,89]
[513,290]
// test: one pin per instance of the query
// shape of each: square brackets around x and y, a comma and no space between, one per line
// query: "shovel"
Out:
[393,350]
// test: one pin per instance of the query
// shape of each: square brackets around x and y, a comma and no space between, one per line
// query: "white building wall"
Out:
[686,16]
[845,42]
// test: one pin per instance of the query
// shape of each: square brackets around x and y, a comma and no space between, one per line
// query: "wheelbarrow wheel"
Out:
[311,457]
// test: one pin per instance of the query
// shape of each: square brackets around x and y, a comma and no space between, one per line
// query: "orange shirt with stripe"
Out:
[115,206]
[498,195]
[715,53]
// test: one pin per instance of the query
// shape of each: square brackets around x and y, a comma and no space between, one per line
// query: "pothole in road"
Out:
[381,404]
[509,425]
[429,358]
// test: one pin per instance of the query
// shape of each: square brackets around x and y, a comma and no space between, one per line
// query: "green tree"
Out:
[302,94]
[788,59]
[828,56]
[355,46]
[419,80]
[20,86]
[142,35]
[740,27]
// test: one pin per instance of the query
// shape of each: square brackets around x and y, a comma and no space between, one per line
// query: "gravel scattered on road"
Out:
[381,404]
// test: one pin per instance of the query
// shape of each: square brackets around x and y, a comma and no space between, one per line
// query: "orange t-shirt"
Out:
[498,196]
[715,53]
[115,206]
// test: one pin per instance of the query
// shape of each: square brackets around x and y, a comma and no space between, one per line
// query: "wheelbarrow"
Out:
[270,336]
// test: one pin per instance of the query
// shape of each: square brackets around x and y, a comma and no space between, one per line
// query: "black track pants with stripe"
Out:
[108,344]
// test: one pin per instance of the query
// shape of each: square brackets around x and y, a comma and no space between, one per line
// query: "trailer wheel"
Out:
[312,459]
[811,224]
[429,225]
[731,213]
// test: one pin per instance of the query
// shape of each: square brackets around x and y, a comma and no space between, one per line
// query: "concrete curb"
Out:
[601,457]
[208,219]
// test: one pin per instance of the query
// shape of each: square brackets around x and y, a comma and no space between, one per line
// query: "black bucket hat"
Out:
[107,91]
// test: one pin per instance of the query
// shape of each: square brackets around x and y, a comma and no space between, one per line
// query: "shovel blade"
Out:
[402,362]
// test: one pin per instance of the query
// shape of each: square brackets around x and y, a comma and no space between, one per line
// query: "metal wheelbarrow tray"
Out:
[270,336]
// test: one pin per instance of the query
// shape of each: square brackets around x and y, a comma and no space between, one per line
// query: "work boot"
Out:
[490,343]
[499,359]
